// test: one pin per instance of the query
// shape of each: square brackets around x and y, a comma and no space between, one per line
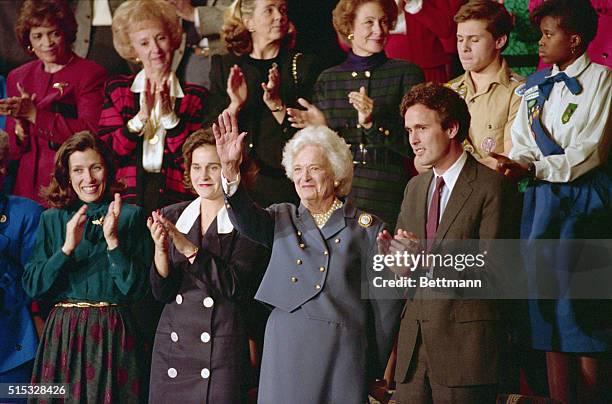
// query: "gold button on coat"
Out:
[294,279]
[299,262]
[317,286]
[322,269]
[337,241]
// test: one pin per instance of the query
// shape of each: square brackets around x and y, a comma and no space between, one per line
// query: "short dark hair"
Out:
[447,103]
[498,19]
[34,13]
[59,194]
[199,138]
[575,17]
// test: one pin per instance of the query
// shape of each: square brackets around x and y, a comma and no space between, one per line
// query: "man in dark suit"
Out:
[448,349]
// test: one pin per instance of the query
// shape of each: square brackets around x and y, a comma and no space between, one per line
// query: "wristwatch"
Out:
[278,108]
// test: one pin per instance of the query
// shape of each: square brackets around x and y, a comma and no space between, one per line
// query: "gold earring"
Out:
[336,183]
[30,49]
[137,60]
[351,36]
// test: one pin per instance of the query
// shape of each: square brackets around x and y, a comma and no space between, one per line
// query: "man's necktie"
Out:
[434,213]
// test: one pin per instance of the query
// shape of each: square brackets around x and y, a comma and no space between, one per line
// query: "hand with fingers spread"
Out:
[229,144]
[311,116]
[181,243]
[510,168]
[271,96]
[236,89]
[21,107]
[74,230]
[364,106]
[111,222]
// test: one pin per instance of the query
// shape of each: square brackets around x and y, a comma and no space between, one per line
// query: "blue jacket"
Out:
[18,223]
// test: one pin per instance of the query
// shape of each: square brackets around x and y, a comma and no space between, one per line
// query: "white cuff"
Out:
[135,125]
[230,188]
[169,121]
[196,18]
[413,6]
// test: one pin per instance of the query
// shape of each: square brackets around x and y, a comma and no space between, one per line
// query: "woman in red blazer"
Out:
[51,97]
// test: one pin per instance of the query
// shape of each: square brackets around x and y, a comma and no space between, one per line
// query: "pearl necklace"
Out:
[321,218]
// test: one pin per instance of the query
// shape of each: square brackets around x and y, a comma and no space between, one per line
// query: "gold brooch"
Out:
[59,86]
[99,221]
[3,219]
[365,220]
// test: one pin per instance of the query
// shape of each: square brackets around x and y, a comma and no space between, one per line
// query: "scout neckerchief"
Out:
[545,84]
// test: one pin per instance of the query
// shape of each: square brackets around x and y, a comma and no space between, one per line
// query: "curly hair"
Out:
[130,16]
[346,10]
[59,193]
[35,13]
[236,35]
[574,16]
[334,148]
[498,19]
[4,143]
[451,108]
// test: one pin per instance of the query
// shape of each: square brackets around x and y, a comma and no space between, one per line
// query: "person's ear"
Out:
[452,130]
[575,43]
[501,42]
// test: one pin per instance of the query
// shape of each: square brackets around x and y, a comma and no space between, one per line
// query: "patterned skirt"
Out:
[94,351]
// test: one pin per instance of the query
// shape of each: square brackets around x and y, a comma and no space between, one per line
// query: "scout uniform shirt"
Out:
[492,110]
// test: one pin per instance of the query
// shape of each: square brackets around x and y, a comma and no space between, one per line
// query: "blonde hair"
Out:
[334,148]
[236,35]
[132,13]
[345,12]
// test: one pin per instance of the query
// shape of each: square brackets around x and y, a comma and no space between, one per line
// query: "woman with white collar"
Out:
[207,274]
[146,118]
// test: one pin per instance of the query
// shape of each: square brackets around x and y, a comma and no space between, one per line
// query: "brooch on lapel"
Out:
[365,220]
[99,221]
[59,86]
[3,218]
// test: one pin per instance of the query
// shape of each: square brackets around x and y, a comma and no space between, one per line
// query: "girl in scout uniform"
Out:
[561,143]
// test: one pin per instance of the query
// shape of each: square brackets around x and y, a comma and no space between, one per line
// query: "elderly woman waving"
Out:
[323,339]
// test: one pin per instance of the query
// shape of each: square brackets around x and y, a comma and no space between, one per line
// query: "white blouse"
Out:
[585,136]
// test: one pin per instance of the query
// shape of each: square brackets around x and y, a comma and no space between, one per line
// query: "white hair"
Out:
[334,148]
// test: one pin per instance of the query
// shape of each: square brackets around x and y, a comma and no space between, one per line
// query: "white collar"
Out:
[575,68]
[452,174]
[139,84]
[192,212]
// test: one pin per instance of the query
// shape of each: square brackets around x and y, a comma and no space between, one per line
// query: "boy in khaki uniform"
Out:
[488,85]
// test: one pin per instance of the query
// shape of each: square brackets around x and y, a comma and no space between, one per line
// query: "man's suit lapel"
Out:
[461,193]
[421,208]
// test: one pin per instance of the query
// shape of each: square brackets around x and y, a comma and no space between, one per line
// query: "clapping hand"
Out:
[510,168]
[271,89]
[229,144]
[402,241]
[111,223]
[74,230]
[311,116]
[364,106]
[236,89]
[181,243]
[20,108]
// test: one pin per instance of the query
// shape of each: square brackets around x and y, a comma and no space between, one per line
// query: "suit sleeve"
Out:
[88,104]
[113,125]
[249,219]
[385,310]
[47,260]
[130,260]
